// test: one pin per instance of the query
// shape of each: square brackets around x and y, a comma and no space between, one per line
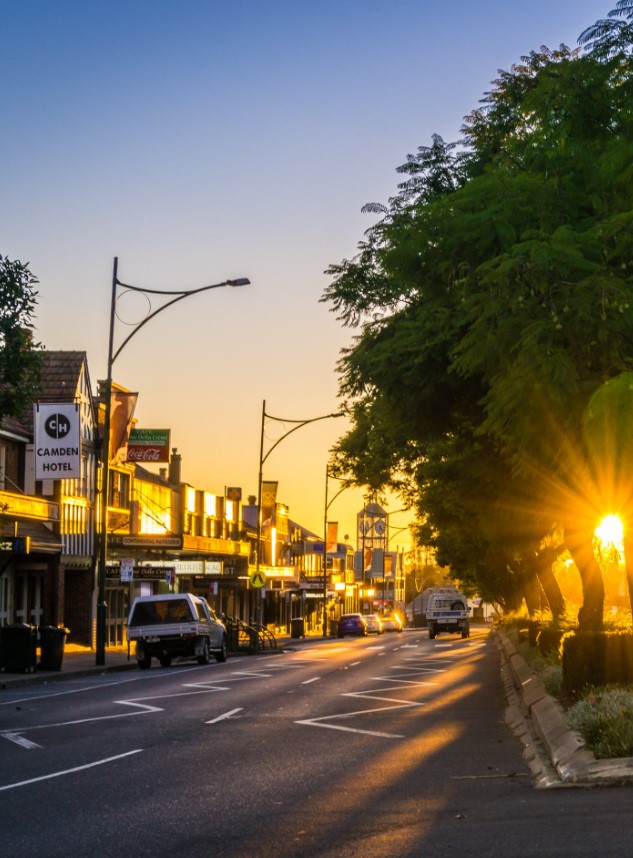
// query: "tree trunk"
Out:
[532,593]
[628,565]
[580,545]
[551,588]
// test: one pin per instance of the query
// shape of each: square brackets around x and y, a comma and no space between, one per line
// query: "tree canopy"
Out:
[492,300]
[20,359]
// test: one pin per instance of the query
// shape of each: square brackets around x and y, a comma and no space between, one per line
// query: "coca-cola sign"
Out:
[148,445]
[145,454]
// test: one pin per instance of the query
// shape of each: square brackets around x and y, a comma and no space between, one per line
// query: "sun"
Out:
[610,531]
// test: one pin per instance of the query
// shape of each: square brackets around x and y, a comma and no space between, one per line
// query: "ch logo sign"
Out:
[57,426]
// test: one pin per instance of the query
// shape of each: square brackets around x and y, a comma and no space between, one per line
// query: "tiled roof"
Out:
[61,371]
[16,427]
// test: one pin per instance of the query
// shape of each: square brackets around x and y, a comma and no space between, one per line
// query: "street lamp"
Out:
[105,453]
[327,506]
[297,424]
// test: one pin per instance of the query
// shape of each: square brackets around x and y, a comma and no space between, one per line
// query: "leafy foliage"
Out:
[19,355]
[493,299]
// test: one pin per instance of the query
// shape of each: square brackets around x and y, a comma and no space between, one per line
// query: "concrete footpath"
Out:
[78,661]
[556,754]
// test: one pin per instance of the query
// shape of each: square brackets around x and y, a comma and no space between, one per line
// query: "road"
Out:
[389,746]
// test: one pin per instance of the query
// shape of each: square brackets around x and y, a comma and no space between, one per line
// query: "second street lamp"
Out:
[175,296]
[328,504]
[296,424]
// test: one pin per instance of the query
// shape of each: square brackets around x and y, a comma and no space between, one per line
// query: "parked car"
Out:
[374,624]
[352,624]
[175,625]
[391,623]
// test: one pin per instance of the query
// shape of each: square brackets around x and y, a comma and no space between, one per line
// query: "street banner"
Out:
[268,501]
[332,537]
[368,559]
[57,440]
[269,494]
[122,411]
[148,445]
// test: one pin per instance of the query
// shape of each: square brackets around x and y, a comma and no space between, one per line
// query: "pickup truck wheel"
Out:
[465,633]
[165,660]
[205,657]
[221,656]
[145,663]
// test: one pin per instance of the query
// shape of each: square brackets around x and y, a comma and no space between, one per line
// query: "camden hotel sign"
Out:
[57,440]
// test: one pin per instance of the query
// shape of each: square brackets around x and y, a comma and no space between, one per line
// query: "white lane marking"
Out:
[70,771]
[318,722]
[308,681]
[20,740]
[313,723]
[355,663]
[223,717]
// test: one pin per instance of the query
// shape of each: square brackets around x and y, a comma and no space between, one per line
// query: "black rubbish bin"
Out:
[232,633]
[297,627]
[18,645]
[52,640]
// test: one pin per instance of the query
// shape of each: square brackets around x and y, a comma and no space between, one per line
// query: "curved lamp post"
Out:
[179,295]
[328,504]
[390,534]
[297,424]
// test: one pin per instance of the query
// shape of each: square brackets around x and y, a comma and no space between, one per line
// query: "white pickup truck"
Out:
[175,625]
[447,611]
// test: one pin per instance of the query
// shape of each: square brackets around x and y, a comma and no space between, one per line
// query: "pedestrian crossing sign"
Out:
[258,579]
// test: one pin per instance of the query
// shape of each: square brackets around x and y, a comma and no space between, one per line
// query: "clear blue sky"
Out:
[199,141]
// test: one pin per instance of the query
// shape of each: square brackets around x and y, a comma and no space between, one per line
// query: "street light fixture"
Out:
[327,506]
[297,424]
[105,453]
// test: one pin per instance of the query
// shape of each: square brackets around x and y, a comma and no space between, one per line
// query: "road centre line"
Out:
[308,681]
[70,771]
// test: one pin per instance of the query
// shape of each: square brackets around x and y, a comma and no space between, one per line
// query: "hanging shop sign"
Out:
[148,445]
[57,440]
[127,570]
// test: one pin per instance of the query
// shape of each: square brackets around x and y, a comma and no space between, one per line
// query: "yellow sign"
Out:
[258,579]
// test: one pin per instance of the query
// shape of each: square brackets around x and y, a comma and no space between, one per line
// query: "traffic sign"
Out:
[258,579]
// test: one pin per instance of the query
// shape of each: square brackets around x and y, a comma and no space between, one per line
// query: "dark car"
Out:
[352,624]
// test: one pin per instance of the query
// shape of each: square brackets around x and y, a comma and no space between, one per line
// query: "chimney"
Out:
[175,467]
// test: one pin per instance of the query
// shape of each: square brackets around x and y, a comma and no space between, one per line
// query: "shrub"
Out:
[605,721]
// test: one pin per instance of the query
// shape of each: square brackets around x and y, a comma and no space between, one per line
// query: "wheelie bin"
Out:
[18,645]
[52,641]
[297,627]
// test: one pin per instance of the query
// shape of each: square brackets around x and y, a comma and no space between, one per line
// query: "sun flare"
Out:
[610,531]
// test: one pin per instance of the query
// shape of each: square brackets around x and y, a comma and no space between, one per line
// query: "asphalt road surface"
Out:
[387,746]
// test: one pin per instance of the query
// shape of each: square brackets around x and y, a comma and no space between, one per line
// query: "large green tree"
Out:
[20,357]
[493,299]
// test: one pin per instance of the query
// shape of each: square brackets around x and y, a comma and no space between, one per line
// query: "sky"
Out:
[199,141]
